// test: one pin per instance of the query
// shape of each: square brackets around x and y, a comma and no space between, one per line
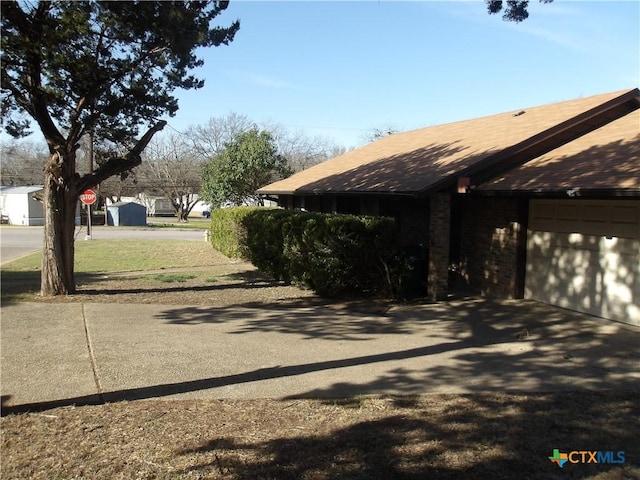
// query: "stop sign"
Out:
[88,197]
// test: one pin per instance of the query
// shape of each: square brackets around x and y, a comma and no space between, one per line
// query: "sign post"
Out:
[88,197]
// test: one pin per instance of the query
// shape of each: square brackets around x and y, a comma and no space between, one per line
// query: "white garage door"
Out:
[585,255]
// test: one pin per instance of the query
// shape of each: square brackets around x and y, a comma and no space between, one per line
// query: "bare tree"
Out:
[209,139]
[301,150]
[338,150]
[171,167]
[376,133]
[22,163]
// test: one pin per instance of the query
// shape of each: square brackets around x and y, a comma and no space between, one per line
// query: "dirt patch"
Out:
[436,437]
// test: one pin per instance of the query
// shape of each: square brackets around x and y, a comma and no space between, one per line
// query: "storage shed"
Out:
[126,214]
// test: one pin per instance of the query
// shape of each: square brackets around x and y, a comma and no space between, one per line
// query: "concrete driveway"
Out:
[67,353]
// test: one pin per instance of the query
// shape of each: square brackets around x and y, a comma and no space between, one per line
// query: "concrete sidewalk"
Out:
[56,354]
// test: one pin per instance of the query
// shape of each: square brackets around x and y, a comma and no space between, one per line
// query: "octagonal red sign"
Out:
[88,197]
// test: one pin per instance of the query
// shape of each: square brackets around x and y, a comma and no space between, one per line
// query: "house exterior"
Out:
[156,206]
[19,207]
[540,203]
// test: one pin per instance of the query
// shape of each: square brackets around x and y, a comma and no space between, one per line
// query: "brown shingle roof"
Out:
[607,158]
[428,158]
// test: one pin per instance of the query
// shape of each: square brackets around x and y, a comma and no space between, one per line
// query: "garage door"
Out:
[584,255]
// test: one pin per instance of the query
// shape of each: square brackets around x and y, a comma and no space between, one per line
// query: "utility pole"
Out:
[90,152]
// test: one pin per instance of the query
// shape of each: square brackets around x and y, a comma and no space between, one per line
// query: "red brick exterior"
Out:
[439,230]
[491,249]
[483,237]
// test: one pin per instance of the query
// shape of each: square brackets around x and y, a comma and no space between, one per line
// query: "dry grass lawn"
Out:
[167,272]
[429,437]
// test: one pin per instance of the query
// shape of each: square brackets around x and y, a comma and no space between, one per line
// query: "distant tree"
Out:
[209,139]
[247,163]
[300,150]
[377,133]
[515,10]
[172,169]
[76,67]
[22,163]
[338,150]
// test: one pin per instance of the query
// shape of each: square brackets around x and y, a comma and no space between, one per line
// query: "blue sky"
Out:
[339,69]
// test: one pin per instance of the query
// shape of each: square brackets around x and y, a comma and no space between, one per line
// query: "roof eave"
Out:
[560,192]
[360,193]
[535,146]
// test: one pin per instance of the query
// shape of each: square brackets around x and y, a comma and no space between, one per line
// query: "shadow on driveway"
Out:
[475,345]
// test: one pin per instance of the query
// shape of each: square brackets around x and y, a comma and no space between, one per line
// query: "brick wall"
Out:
[490,248]
[440,220]
[487,243]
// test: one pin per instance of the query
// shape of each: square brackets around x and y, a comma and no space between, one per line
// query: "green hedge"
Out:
[332,254]
[226,234]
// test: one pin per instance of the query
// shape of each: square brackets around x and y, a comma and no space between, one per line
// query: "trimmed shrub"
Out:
[340,254]
[331,254]
[226,233]
[264,241]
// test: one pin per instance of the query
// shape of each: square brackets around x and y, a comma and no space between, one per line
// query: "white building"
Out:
[19,207]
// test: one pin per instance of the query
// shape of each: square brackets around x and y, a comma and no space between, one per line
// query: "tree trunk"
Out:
[62,186]
[181,212]
[60,200]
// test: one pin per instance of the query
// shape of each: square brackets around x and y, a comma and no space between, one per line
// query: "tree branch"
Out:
[118,165]
[35,105]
